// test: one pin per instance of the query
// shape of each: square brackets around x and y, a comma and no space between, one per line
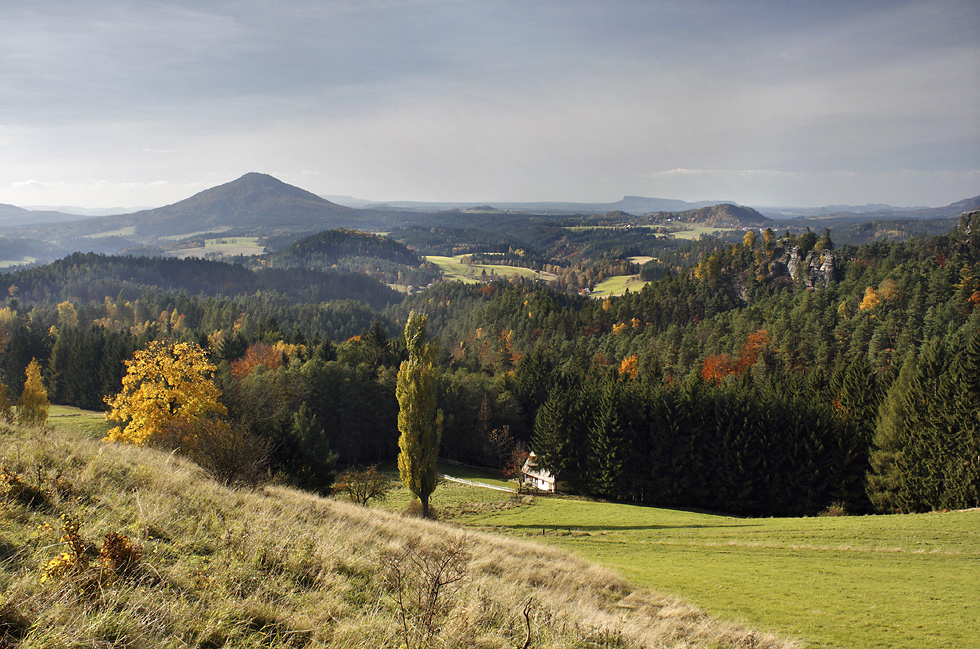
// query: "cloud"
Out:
[505,99]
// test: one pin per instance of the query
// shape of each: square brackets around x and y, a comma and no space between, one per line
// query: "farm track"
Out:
[473,483]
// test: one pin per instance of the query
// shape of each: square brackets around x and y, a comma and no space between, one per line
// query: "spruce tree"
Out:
[884,477]
[610,447]
[419,422]
[963,466]
[920,462]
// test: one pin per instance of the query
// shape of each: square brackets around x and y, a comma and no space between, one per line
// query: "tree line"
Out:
[730,385]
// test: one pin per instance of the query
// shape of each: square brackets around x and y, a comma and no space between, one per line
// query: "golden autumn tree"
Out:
[163,383]
[32,407]
[871,299]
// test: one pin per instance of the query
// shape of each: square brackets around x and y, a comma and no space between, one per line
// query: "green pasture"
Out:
[68,417]
[617,285]
[844,582]
[694,232]
[453,269]
[228,246]
[121,232]
[188,235]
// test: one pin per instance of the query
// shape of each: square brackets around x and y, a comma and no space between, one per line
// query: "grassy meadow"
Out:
[691,232]
[843,582]
[228,246]
[617,285]
[156,554]
[453,269]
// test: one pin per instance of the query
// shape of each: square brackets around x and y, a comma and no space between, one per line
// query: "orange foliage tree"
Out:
[257,354]
[630,367]
[751,349]
[717,367]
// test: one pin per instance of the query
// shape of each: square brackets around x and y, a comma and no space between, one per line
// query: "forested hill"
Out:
[341,249]
[325,248]
[724,215]
[90,277]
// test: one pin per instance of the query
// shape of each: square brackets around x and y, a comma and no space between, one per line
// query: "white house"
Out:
[538,477]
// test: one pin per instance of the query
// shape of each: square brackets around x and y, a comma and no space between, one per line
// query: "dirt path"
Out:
[473,483]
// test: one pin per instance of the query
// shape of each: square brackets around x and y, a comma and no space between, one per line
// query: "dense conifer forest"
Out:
[779,375]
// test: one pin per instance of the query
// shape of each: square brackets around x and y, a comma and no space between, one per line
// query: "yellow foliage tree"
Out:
[67,315]
[32,407]
[163,383]
[871,299]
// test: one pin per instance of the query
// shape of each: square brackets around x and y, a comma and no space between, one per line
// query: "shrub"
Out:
[231,454]
[835,509]
[363,486]
[424,581]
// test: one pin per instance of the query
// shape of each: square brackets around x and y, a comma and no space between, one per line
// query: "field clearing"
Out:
[617,285]
[229,247]
[7,263]
[121,232]
[178,237]
[844,582]
[92,423]
[693,232]
[453,269]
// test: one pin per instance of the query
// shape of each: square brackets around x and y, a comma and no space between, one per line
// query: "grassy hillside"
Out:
[617,285]
[154,553]
[844,582]
[454,269]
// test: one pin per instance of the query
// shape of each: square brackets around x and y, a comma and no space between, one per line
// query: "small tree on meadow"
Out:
[32,407]
[514,468]
[363,486]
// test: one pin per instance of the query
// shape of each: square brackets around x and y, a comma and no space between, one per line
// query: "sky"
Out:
[131,103]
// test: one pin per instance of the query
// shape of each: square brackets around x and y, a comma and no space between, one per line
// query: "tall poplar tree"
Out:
[419,422]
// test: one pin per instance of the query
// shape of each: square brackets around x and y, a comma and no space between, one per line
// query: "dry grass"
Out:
[280,567]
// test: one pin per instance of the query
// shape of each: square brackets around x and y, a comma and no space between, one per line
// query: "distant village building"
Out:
[538,477]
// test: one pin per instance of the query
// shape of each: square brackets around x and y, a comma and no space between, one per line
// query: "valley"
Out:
[800,389]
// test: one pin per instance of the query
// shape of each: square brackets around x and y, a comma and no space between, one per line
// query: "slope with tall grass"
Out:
[115,545]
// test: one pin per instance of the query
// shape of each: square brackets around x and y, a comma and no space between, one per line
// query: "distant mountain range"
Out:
[873,212]
[630,204]
[645,205]
[11,215]
[259,205]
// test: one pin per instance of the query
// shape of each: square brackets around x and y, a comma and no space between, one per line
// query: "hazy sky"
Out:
[783,102]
